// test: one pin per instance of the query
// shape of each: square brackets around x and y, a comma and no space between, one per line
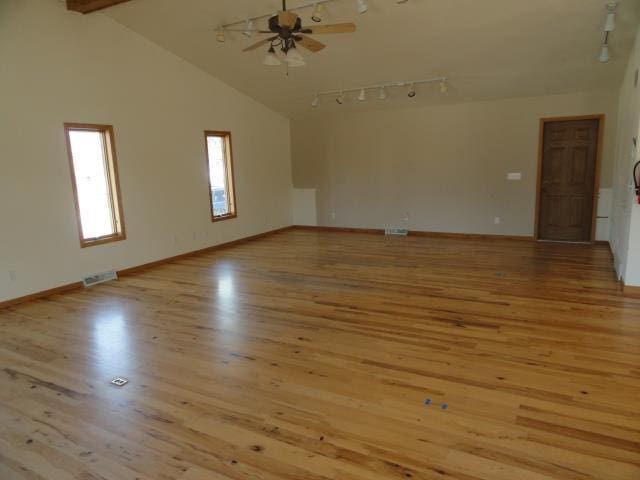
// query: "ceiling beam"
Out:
[88,6]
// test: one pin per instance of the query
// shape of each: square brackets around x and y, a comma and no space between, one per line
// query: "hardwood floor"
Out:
[310,355]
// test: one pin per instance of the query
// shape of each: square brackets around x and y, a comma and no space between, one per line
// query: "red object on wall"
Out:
[636,180]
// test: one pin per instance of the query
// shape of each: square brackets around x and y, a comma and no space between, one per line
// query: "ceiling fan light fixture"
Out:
[317,12]
[361,6]
[604,54]
[363,96]
[383,93]
[444,86]
[293,58]
[271,59]
[412,91]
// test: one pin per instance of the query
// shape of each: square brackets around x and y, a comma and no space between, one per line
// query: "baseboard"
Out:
[146,266]
[38,295]
[132,270]
[419,233]
[630,291]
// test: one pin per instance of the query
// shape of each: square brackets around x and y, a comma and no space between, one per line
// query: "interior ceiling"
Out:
[487,48]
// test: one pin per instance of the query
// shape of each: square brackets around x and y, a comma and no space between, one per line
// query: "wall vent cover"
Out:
[396,231]
[99,278]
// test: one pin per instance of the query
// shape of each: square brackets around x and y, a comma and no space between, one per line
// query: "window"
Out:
[94,175]
[221,189]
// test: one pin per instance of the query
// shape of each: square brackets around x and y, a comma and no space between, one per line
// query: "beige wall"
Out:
[446,167]
[625,229]
[57,66]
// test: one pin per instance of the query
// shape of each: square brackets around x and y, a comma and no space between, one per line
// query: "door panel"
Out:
[567,179]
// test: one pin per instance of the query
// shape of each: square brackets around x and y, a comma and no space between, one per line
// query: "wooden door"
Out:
[567,180]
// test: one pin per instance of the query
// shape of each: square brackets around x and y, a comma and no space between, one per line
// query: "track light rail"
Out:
[384,85]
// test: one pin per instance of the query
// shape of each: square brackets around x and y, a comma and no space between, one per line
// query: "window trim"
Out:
[233,204]
[114,179]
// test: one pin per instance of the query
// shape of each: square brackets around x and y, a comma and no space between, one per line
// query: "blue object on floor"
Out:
[444,406]
[427,401]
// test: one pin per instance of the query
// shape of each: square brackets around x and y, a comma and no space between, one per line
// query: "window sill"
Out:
[102,240]
[221,218]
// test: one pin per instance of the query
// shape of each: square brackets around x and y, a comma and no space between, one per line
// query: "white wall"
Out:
[57,66]
[445,166]
[625,228]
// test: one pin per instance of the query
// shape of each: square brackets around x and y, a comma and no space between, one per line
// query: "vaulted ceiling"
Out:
[487,48]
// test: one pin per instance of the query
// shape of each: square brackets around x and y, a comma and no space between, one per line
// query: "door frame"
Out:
[596,178]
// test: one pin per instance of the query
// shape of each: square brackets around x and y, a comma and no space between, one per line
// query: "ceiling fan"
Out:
[289,33]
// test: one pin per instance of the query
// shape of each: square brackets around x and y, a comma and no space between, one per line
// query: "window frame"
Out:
[108,142]
[231,184]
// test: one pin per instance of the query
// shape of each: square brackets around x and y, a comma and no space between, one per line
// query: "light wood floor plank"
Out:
[309,355]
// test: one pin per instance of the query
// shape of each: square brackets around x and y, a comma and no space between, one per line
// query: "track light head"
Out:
[220,36]
[248,29]
[604,54]
[362,97]
[444,86]
[317,12]
[412,91]
[340,98]
[383,93]
[316,101]
[610,24]
[362,6]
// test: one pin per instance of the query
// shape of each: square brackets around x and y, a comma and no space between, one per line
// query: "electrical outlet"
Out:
[406,216]
[333,215]
[497,220]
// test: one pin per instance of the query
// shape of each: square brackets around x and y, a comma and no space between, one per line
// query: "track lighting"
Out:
[362,6]
[340,96]
[271,58]
[604,55]
[293,57]
[220,35]
[610,24]
[248,29]
[317,12]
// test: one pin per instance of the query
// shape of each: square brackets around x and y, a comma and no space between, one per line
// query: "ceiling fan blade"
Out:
[259,44]
[309,43]
[287,19]
[335,28]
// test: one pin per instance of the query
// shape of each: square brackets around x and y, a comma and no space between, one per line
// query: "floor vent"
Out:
[396,231]
[99,278]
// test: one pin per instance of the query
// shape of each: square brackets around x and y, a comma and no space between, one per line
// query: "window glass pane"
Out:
[218,175]
[92,183]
